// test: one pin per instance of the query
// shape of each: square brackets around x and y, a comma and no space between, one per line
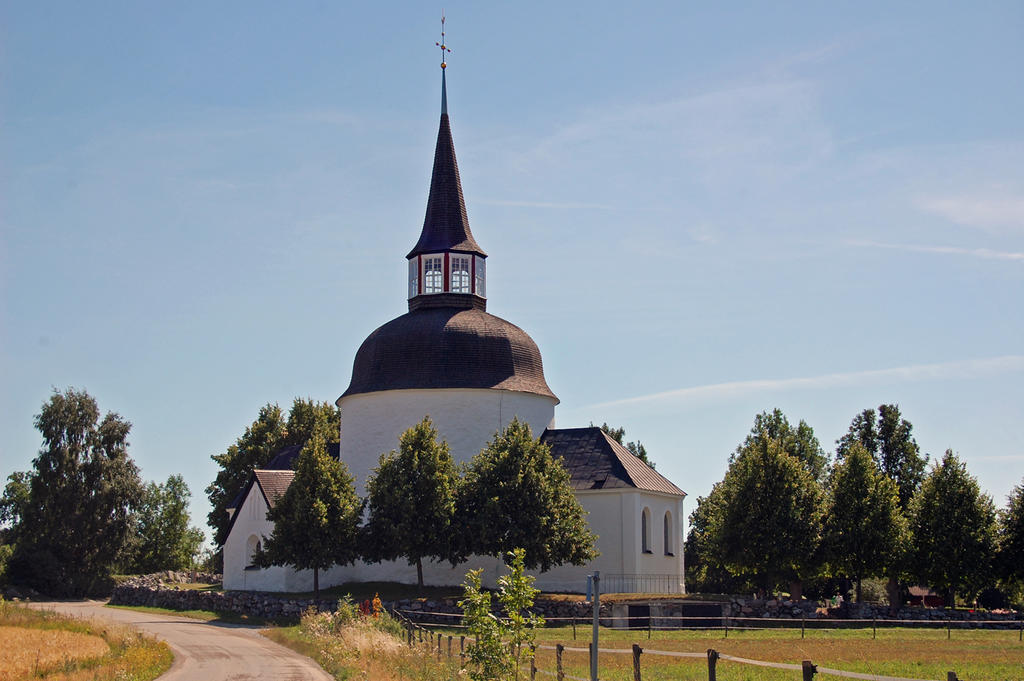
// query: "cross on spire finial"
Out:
[444,48]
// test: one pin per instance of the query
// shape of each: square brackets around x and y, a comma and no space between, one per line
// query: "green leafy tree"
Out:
[15,498]
[769,526]
[502,647]
[316,520]
[81,495]
[411,501]
[703,551]
[1010,558]
[164,539]
[954,527]
[262,440]
[516,495]
[799,442]
[864,528]
[888,437]
[636,448]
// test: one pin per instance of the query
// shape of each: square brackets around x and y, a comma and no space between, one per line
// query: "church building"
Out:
[472,373]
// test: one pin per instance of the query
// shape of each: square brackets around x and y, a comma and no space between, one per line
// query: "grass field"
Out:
[44,645]
[974,655]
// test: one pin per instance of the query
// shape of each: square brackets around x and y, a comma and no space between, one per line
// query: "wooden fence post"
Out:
[462,651]
[803,617]
[439,646]
[809,670]
[712,661]
[533,662]
[951,676]
[637,650]
[874,626]
[559,672]
[449,646]
[574,627]
[947,629]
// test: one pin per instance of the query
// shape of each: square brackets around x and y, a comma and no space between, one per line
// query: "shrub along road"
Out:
[210,651]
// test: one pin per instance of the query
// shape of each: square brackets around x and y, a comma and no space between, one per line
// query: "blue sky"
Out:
[698,212]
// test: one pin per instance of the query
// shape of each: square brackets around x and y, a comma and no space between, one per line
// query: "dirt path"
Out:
[205,651]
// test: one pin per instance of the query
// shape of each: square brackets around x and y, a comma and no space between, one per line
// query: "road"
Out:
[207,651]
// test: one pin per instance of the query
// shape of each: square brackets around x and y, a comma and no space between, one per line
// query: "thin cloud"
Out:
[963,369]
[986,212]
[943,250]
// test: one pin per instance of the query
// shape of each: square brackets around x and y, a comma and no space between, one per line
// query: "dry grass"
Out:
[24,651]
[361,648]
[38,644]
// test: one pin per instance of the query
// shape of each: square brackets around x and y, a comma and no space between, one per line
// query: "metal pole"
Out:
[597,623]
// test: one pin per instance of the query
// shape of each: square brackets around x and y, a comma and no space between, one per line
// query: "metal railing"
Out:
[641,583]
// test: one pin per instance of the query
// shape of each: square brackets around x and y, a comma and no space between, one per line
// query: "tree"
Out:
[411,501]
[501,646]
[15,498]
[81,495]
[637,448]
[516,495]
[165,540]
[864,528]
[954,527]
[887,437]
[769,526]
[317,518]
[799,442]
[261,441]
[703,550]
[1011,538]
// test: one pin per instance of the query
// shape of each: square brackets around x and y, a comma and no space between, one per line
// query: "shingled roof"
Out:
[273,484]
[448,348]
[596,461]
[446,225]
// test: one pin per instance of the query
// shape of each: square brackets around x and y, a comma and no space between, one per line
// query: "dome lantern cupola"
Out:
[446,266]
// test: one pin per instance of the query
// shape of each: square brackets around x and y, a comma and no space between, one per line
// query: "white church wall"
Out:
[252,526]
[465,418]
[657,560]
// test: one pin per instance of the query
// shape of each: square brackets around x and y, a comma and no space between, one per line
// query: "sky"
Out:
[699,211]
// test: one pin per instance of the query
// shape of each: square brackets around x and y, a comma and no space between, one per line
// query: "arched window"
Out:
[645,530]
[252,547]
[668,535]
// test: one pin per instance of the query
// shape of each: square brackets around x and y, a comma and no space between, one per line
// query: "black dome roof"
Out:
[446,347]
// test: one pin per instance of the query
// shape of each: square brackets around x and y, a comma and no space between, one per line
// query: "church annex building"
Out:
[471,372]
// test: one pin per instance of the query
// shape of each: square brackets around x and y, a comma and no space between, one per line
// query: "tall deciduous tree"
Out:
[1010,559]
[316,520]
[516,495]
[799,442]
[888,437]
[864,528]
[769,527]
[165,541]
[81,495]
[954,527]
[264,438]
[411,501]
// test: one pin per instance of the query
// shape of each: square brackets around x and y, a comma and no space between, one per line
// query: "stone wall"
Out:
[149,591]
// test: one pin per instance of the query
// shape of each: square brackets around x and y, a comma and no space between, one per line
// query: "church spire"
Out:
[446,241]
